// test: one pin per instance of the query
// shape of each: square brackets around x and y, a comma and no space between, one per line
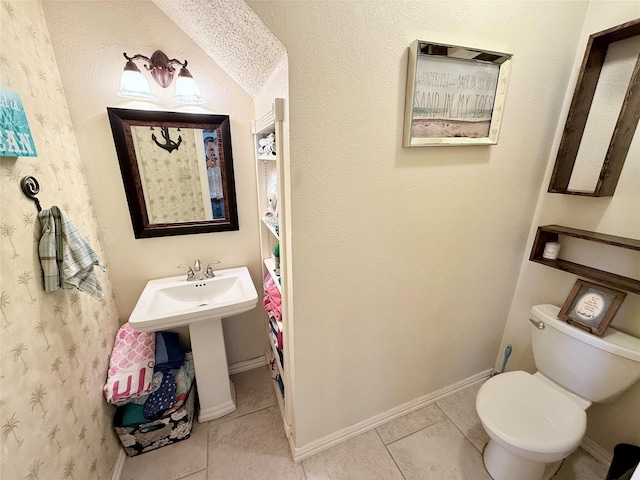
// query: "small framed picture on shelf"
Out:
[591,306]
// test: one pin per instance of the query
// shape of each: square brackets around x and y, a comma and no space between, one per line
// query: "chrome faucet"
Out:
[195,273]
[197,269]
[191,276]
[209,272]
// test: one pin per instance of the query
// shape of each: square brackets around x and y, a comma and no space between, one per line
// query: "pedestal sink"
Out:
[200,304]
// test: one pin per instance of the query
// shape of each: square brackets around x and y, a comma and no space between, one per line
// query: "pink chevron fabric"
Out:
[130,366]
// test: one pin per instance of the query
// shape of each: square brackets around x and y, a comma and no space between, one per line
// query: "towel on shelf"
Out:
[66,257]
[272,299]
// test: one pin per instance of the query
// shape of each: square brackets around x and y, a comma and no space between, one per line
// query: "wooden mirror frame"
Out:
[121,122]
[583,95]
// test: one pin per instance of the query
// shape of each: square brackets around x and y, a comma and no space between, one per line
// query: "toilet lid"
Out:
[529,414]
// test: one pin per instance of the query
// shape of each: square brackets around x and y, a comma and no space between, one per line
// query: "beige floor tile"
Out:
[362,457]
[251,447]
[461,409]
[254,391]
[201,475]
[438,452]
[581,466]
[410,423]
[173,461]
[244,446]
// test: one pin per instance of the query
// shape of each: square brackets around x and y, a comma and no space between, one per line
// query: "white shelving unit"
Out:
[269,176]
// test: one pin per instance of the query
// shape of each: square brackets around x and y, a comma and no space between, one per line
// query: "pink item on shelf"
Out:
[130,366]
[272,300]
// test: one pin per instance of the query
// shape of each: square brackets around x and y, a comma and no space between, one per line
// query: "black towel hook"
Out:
[30,187]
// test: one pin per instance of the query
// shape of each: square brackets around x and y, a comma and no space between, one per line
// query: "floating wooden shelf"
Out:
[550,233]
[583,96]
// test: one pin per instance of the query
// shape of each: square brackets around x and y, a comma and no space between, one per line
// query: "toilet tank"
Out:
[595,368]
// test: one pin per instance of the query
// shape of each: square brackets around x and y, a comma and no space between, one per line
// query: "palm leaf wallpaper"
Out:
[54,346]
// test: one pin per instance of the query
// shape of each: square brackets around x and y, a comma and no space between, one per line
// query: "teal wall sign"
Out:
[15,136]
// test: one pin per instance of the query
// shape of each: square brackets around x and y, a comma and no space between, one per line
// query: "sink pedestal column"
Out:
[215,390]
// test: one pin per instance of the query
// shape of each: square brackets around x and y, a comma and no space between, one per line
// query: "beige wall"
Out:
[405,260]
[616,422]
[277,86]
[54,346]
[101,31]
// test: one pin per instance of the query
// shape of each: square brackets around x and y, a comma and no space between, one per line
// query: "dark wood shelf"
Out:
[550,233]
[583,97]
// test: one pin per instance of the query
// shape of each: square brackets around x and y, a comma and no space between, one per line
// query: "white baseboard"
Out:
[247,365]
[119,467]
[596,451]
[317,446]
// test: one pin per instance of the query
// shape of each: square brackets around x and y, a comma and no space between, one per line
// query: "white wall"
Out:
[616,422]
[405,260]
[88,38]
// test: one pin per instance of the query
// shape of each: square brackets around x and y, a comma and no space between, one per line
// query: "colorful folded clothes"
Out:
[130,366]
[132,414]
[162,399]
[172,379]
[169,352]
[184,380]
[156,380]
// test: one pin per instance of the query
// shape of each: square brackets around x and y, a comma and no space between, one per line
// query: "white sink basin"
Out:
[201,304]
[173,302]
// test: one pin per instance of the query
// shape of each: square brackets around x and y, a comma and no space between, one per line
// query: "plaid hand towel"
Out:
[66,257]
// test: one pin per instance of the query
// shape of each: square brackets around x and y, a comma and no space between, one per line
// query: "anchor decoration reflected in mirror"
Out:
[169,145]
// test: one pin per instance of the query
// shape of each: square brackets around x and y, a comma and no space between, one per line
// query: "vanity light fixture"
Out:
[134,85]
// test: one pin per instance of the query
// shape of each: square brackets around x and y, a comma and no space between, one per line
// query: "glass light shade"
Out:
[134,85]
[187,91]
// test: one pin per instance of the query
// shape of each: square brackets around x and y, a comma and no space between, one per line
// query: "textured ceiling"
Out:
[232,35]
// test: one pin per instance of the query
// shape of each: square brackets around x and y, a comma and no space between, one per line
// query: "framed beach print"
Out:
[455,95]
[591,306]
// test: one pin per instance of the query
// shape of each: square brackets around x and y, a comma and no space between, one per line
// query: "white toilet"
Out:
[535,421]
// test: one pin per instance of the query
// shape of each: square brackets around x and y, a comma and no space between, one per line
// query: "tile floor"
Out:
[442,441]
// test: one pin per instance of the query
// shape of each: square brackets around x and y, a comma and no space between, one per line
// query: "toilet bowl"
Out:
[535,421]
[531,426]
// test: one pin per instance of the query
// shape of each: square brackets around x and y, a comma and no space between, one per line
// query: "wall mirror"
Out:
[603,115]
[177,170]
